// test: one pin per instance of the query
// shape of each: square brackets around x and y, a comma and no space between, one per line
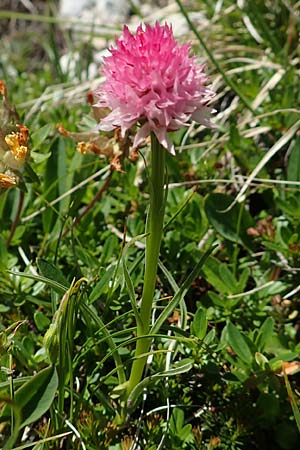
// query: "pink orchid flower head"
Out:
[152,80]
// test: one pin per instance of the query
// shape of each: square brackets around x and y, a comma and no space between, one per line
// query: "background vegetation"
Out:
[229,378]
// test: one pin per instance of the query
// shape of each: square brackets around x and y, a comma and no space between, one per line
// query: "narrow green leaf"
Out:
[180,293]
[102,283]
[50,187]
[175,287]
[55,285]
[18,381]
[3,254]
[285,138]
[17,423]
[128,280]
[35,396]
[51,272]
[183,366]
[293,400]
[39,136]
[109,339]
[42,395]
[62,172]
[131,292]
[43,441]
[180,209]
[293,169]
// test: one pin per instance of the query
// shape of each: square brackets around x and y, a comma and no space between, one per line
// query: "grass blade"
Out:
[292,399]
[227,80]
[273,150]
[182,367]
[180,293]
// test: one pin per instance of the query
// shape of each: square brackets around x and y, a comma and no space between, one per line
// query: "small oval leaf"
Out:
[238,343]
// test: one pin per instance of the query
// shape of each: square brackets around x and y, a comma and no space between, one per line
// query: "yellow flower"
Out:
[14,141]
[7,181]
[83,147]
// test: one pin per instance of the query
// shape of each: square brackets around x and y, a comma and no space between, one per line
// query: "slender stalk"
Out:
[12,391]
[110,342]
[154,227]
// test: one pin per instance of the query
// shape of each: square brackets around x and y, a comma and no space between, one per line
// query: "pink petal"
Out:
[163,138]
[143,132]
[151,78]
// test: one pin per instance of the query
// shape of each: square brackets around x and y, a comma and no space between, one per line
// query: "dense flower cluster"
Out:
[13,157]
[152,80]
[13,143]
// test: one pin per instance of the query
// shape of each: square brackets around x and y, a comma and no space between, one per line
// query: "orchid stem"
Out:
[154,228]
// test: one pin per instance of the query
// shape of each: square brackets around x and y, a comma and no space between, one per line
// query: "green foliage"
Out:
[180,432]
[35,396]
[232,222]
[224,365]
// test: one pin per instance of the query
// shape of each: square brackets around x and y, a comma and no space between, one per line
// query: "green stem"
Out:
[154,227]
[12,393]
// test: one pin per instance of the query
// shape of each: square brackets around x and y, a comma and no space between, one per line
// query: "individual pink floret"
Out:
[152,80]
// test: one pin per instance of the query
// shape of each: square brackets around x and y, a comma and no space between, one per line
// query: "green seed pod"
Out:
[51,342]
